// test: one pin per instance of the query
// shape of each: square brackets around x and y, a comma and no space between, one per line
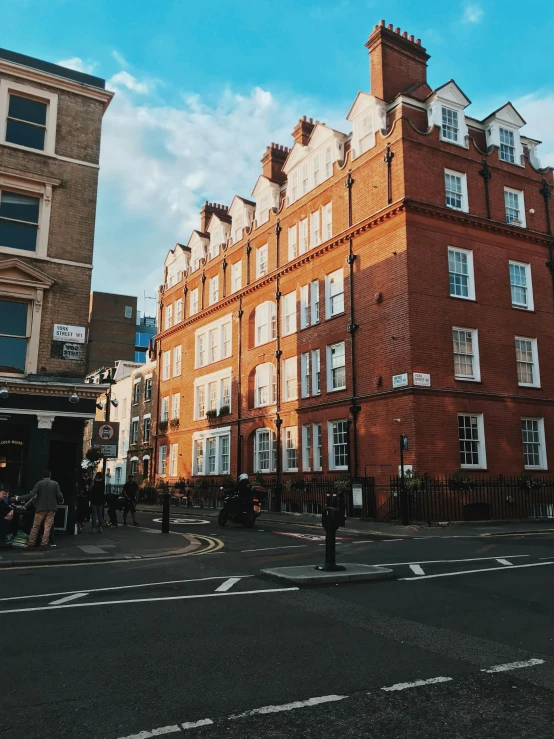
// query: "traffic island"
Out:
[310,575]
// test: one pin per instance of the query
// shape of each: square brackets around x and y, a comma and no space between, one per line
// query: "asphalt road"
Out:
[459,645]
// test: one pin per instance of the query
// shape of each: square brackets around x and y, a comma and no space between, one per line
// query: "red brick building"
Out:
[395,279]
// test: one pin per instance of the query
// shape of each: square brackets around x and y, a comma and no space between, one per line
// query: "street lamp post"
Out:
[403,496]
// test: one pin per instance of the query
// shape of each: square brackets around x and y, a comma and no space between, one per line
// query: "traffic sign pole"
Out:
[403,496]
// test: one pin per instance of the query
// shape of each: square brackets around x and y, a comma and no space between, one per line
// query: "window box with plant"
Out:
[211,415]
[162,426]
[224,410]
[174,423]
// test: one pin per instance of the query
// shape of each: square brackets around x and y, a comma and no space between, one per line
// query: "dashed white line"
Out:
[417,569]
[154,732]
[475,572]
[227,585]
[417,683]
[196,724]
[502,561]
[290,706]
[514,665]
[68,598]
[266,549]
[445,561]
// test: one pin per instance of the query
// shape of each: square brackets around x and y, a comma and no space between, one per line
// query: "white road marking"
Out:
[417,683]
[155,732]
[195,724]
[503,561]
[444,561]
[474,572]
[290,706]
[266,549]
[417,569]
[120,587]
[147,600]
[514,665]
[182,521]
[91,549]
[68,598]
[227,585]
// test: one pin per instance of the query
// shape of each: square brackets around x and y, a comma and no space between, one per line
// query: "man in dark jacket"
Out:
[130,493]
[8,518]
[48,497]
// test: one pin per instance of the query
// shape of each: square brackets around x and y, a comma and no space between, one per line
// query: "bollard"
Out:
[165,514]
[331,519]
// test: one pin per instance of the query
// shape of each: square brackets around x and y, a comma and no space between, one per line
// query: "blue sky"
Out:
[202,88]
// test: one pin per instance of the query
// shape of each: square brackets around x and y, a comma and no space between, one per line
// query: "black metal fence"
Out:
[298,495]
[437,500]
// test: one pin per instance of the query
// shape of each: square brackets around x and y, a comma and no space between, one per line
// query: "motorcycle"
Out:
[244,512]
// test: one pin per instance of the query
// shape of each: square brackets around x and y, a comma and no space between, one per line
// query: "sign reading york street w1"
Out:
[74,334]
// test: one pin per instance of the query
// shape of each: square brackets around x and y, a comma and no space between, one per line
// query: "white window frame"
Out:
[175,406]
[307,443]
[470,273]
[290,444]
[173,459]
[482,452]
[530,305]
[194,301]
[177,354]
[262,208]
[304,306]
[203,402]
[476,377]
[327,221]
[289,314]
[178,311]
[305,379]
[205,335]
[330,347]
[543,462]
[214,289]
[272,449]
[511,155]
[134,430]
[168,316]
[41,96]
[265,312]
[455,137]
[236,276]
[464,202]
[293,242]
[535,356]
[201,438]
[35,189]
[521,207]
[316,372]
[334,278]
[166,366]
[303,244]
[162,460]
[165,409]
[290,375]
[265,376]
[331,447]
[262,264]
[317,446]
[315,228]
[147,429]
[314,302]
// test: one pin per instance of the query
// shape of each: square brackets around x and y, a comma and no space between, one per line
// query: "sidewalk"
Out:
[375,528]
[112,545]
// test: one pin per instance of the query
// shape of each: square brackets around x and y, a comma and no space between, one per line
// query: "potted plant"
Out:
[342,485]
[211,415]
[174,423]
[162,426]
[224,410]
[413,483]
[93,455]
[528,483]
[459,480]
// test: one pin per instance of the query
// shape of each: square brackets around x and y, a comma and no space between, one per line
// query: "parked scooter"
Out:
[243,511]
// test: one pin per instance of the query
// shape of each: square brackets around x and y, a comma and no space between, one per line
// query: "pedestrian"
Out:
[97,497]
[130,493]
[9,521]
[47,496]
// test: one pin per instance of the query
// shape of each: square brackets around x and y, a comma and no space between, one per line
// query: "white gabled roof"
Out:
[175,253]
[239,202]
[263,183]
[450,92]
[320,134]
[363,101]
[508,114]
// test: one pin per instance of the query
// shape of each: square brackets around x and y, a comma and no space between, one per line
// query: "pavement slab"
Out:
[310,575]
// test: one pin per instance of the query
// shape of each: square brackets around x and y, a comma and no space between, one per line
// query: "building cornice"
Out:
[61,388]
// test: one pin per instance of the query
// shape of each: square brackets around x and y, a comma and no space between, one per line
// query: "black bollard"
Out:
[331,520]
[165,514]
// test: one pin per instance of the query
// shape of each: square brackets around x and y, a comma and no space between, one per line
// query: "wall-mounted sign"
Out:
[357,496]
[105,436]
[400,380]
[72,351]
[420,378]
[75,334]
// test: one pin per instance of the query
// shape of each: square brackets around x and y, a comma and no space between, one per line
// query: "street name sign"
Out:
[400,380]
[75,334]
[422,379]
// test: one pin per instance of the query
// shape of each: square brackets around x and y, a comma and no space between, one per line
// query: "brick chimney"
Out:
[272,162]
[397,62]
[302,130]
[206,213]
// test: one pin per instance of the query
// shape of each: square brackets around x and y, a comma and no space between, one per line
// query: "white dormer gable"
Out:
[368,114]
[242,214]
[502,130]
[308,166]
[198,244]
[267,195]
[446,111]
[219,231]
[176,262]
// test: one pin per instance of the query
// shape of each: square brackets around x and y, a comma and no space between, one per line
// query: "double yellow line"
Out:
[214,545]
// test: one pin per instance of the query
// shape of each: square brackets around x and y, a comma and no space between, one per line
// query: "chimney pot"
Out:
[405,34]
[375,28]
[418,41]
[397,30]
[411,38]
[381,23]
[390,26]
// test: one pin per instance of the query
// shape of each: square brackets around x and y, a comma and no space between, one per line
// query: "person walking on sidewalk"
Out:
[130,493]
[97,497]
[47,496]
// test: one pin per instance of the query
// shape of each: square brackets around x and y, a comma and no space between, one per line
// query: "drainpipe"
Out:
[154,465]
[203,280]
[352,328]
[278,230]
[248,250]
[239,392]
[546,193]
[486,174]
[389,156]
[224,267]
[278,419]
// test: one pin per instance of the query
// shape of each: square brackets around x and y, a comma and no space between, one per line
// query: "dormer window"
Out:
[315,166]
[263,209]
[293,186]
[237,228]
[507,146]
[305,178]
[328,162]
[215,241]
[450,128]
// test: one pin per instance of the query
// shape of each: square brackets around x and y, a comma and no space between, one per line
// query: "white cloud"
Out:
[119,58]
[473,14]
[124,79]
[538,111]
[78,64]
[160,163]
